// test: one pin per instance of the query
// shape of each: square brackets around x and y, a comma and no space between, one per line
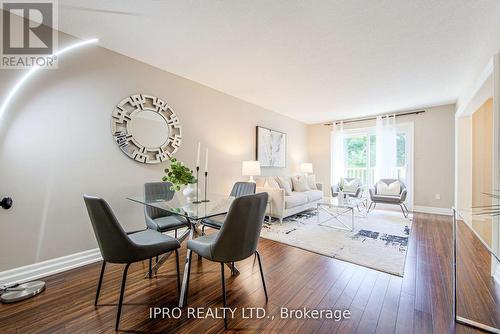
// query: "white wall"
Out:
[56,145]
[433,154]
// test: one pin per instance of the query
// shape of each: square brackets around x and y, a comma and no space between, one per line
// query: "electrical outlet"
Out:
[437,196]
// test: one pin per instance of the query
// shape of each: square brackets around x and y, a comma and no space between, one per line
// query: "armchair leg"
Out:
[150,271]
[120,302]
[223,292]
[406,208]
[262,274]
[403,210]
[178,272]
[370,207]
[100,283]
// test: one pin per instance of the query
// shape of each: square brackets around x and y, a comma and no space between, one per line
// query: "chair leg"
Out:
[189,256]
[175,233]
[262,274]
[122,291]
[232,268]
[100,283]
[150,271]
[203,230]
[178,272]
[223,293]
[403,210]
[406,208]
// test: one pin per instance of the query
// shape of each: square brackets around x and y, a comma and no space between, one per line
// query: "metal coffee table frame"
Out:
[341,210]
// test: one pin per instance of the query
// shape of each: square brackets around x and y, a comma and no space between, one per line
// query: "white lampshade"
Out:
[250,168]
[306,167]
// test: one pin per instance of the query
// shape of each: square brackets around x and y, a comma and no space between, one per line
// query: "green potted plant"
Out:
[179,175]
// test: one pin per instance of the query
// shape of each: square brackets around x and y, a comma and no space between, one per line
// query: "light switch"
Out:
[438,196]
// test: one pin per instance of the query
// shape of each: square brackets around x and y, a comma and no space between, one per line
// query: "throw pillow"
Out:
[311,182]
[271,183]
[392,189]
[285,184]
[350,186]
[300,183]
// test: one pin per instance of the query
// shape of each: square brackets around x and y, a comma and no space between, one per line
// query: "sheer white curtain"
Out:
[337,153]
[386,148]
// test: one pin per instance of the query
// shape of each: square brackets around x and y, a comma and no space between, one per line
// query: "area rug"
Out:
[379,240]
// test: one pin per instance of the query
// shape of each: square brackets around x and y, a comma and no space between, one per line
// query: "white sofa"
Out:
[282,206]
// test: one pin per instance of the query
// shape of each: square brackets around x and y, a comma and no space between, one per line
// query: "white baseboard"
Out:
[433,210]
[49,267]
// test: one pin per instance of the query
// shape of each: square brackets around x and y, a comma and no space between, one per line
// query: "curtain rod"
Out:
[353,120]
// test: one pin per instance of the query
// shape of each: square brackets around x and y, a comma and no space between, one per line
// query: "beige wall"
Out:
[319,153]
[464,166]
[433,154]
[56,145]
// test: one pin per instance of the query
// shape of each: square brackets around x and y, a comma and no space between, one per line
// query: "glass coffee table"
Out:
[340,211]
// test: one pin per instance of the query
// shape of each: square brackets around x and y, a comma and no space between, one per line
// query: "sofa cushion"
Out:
[285,184]
[311,182]
[271,183]
[314,195]
[296,199]
[350,186]
[300,183]
[392,189]
[386,198]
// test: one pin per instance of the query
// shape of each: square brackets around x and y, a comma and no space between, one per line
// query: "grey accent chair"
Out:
[357,193]
[117,246]
[389,199]
[161,220]
[239,189]
[237,239]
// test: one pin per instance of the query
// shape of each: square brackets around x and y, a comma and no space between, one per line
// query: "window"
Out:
[360,157]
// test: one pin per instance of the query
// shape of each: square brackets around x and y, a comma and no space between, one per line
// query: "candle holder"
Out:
[197,185]
[206,182]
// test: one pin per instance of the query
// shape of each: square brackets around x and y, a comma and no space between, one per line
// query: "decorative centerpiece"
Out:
[180,175]
[341,192]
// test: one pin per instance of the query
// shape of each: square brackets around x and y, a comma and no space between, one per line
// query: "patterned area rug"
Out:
[379,240]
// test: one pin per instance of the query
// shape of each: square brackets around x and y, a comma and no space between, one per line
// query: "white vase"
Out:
[341,197]
[190,192]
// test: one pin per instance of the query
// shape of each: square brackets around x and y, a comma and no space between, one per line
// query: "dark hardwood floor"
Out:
[420,302]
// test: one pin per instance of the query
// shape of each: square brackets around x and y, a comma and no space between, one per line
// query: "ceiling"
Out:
[314,61]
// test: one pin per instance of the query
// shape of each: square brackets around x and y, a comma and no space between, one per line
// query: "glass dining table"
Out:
[194,212]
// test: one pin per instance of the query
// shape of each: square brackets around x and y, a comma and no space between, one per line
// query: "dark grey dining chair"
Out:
[117,246]
[161,220]
[237,239]
[239,189]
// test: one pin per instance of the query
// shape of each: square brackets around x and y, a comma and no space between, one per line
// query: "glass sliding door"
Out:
[360,155]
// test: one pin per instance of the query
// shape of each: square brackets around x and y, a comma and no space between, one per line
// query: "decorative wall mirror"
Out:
[146,129]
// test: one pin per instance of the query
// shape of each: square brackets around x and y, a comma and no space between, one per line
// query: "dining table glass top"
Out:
[180,205]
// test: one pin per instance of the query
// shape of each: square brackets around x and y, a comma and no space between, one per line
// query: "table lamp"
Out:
[306,168]
[250,168]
